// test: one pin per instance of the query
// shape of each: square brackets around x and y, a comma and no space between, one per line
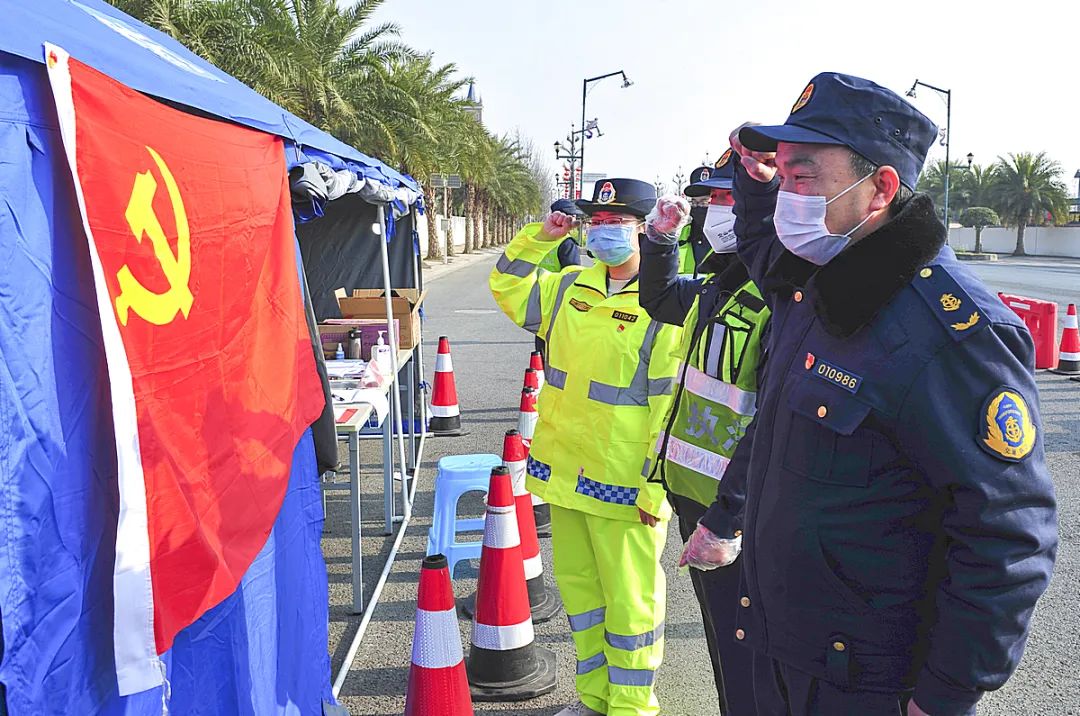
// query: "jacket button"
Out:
[839,645]
[798,297]
[745,601]
[822,411]
[740,634]
[926,273]
[738,533]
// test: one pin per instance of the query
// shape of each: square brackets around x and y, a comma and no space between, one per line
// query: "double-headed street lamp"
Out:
[585,133]
[944,139]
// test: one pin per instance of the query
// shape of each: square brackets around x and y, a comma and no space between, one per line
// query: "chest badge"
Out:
[950,302]
[832,374]
[580,305]
[624,316]
[1007,432]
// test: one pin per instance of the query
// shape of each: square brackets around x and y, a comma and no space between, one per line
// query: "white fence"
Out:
[458,231]
[1038,240]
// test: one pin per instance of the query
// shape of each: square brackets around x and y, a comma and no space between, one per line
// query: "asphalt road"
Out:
[1048,279]
[490,355]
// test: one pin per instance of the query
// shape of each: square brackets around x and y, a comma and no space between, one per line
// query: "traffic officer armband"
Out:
[959,314]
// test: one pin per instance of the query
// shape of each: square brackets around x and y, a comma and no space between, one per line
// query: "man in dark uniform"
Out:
[899,519]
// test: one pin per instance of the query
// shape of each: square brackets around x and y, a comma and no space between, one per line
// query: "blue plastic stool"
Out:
[457,475]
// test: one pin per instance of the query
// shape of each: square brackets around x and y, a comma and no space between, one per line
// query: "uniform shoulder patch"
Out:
[958,313]
[1007,431]
[580,305]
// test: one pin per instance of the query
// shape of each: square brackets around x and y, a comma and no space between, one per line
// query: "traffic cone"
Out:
[532,379]
[543,601]
[505,664]
[438,685]
[536,362]
[526,426]
[1069,355]
[445,413]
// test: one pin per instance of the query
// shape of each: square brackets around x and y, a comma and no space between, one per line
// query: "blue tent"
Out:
[264,649]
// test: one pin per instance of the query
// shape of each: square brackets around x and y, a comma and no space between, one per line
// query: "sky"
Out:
[702,67]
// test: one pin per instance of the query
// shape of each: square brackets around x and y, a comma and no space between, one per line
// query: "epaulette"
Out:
[959,314]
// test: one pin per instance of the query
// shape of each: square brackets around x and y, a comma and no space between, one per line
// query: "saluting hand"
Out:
[761,166]
[556,226]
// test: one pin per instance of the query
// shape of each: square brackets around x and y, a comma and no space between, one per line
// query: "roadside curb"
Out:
[436,269]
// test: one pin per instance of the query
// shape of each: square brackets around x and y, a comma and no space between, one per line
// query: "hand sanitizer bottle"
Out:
[340,353]
[381,355]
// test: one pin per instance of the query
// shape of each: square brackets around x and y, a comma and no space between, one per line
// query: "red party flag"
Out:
[212,374]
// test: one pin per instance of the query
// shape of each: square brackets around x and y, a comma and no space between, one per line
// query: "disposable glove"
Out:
[706,551]
[667,217]
[557,225]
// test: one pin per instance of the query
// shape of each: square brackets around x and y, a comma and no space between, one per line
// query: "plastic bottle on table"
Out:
[340,353]
[380,353]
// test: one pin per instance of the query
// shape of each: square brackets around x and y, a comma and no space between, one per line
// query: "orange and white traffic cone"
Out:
[532,379]
[438,685]
[1069,355]
[543,600]
[445,412]
[527,418]
[505,664]
[536,362]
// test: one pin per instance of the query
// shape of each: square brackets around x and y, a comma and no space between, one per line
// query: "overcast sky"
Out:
[700,67]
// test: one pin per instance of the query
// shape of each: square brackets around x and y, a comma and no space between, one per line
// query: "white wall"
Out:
[1038,240]
[458,228]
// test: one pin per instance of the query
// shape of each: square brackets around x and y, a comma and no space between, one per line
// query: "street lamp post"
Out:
[1077,207]
[584,94]
[945,140]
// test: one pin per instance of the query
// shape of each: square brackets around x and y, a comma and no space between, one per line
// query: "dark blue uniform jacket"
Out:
[899,520]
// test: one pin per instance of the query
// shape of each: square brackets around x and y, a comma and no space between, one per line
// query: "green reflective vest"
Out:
[716,395]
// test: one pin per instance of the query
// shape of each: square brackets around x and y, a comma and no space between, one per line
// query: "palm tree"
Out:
[1026,188]
[932,182]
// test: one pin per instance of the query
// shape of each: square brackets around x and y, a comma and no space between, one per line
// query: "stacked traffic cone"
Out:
[1069,355]
[438,685]
[536,362]
[445,412]
[532,379]
[526,426]
[543,601]
[505,664]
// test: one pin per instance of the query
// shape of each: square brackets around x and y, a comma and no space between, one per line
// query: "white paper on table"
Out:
[345,368]
[344,395]
[376,398]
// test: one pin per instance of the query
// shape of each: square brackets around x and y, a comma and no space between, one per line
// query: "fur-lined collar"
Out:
[850,290]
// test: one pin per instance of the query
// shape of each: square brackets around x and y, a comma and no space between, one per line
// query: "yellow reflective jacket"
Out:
[610,371]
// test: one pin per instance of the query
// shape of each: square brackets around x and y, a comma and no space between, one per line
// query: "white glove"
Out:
[557,225]
[668,215]
[705,551]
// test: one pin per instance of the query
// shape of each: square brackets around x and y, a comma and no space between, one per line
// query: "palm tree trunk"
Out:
[470,227]
[978,239]
[433,251]
[1020,239]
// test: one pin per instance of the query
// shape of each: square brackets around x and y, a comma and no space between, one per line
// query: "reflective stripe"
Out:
[517,267]
[437,644]
[517,476]
[705,386]
[696,458]
[533,310]
[502,638]
[641,387]
[445,411]
[591,664]
[614,494]
[539,470]
[556,377]
[534,567]
[564,283]
[637,641]
[443,363]
[587,620]
[500,528]
[1070,321]
[630,677]
[1065,355]
[645,471]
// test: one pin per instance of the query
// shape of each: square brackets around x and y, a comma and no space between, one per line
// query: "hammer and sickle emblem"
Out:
[157,308]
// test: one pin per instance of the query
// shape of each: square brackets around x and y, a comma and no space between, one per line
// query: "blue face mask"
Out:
[611,244]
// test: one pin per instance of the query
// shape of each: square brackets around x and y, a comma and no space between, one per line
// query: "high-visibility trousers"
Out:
[613,587]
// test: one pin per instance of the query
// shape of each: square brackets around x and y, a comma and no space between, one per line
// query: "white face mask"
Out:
[800,225]
[719,229]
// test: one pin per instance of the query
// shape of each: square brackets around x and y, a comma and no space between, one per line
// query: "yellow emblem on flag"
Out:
[1008,432]
[971,321]
[950,302]
[157,308]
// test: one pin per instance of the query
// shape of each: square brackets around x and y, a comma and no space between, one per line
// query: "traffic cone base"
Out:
[532,667]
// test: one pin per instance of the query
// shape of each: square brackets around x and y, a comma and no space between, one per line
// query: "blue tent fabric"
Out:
[96,33]
[58,495]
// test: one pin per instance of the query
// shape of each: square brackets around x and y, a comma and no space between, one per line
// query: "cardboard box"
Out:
[336,331]
[369,303]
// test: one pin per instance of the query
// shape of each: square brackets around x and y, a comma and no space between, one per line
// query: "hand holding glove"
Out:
[706,551]
[556,226]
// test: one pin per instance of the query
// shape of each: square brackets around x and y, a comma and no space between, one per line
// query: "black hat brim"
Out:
[765,138]
[704,188]
[638,208]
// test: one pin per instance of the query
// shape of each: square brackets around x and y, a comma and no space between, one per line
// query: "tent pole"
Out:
[399,424]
